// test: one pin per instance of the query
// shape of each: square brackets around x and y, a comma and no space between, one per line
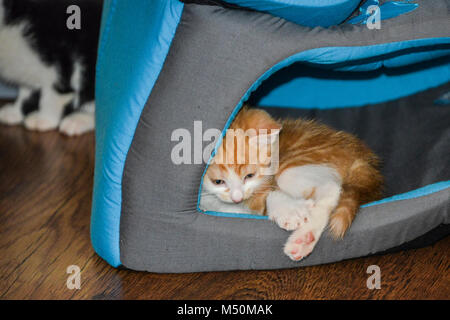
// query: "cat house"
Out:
[378,69]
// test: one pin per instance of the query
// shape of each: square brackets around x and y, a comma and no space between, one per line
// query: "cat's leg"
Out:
[79,122]
[82,120]
[11,113]
[304,181]
[301,189]
[287,212]
[303,240]
[51,107]
[345,212]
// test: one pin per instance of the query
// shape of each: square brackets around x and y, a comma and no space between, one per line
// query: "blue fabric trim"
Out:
[321,56]
[235,215]
[417,193]
[135,40]
[355,89]
[309,13]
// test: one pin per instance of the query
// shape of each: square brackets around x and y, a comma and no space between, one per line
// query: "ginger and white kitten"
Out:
[323,177]
[53,66]
[231,184]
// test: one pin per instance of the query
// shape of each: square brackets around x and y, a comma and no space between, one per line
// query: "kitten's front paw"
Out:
[287,212]
[77,123]
[10,114]
[40,122]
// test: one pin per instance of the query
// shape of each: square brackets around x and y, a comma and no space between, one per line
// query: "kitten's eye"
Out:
[218,182]
[249,176]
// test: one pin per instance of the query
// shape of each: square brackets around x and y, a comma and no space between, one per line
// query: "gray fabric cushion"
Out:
[216,55]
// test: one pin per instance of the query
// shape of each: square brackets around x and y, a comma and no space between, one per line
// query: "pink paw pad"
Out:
[309,237]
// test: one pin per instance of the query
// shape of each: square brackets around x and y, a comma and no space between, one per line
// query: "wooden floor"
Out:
[45,200]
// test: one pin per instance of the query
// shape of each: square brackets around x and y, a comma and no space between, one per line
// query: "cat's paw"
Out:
[300,244]
[291,220]
[286,212]
[77,123]
[303,240]
[40,122]
[10,114]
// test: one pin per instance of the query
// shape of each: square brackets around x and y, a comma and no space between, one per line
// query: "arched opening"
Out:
[390,103]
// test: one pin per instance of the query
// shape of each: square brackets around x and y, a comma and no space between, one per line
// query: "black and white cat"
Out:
[54,66]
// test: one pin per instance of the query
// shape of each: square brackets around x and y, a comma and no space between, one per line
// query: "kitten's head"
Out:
[239,168]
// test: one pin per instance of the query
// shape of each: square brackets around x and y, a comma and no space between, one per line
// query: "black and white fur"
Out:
[53,66]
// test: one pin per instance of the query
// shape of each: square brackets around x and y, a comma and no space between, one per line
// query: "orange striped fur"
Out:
[305,142]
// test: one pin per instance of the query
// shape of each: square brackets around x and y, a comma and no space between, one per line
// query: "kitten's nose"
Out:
[236,196]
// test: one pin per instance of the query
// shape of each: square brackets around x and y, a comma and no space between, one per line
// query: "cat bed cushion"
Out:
[163,65]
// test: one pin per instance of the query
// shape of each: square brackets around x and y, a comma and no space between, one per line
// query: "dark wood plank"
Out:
[45,198]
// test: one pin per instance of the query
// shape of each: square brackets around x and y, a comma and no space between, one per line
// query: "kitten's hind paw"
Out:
[300,244]
[288,213]
[77,123]
[302,241]
[10,114]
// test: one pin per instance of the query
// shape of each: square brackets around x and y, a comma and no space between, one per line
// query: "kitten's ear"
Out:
[264,148]
[259,126]
[253,118]
[260,119]
[265,137]
[267,128]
